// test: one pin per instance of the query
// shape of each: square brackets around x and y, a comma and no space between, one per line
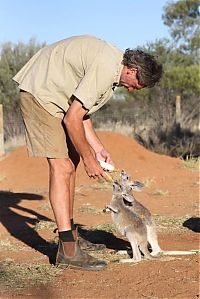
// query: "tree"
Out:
[183,80]
[180,70]
[183,19]
[12,58]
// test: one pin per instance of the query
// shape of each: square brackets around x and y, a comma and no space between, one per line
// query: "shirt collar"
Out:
[119,69]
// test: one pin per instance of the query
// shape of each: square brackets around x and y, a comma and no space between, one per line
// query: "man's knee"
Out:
[61,167]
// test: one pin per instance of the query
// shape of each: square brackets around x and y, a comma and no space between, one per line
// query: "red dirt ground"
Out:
[171,191]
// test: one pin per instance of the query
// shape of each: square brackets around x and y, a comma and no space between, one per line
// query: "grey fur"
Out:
[127,186]
[129,224]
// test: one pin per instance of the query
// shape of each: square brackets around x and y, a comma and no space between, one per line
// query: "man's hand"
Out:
[103,155]
[94,170]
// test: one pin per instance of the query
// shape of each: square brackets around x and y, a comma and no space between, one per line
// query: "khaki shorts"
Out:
[45,134]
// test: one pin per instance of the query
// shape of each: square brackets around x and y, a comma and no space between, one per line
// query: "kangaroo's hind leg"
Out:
[132,237]
[153,240]
[143,245]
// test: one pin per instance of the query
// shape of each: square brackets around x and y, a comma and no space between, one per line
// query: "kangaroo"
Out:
[129,224]
[135,206]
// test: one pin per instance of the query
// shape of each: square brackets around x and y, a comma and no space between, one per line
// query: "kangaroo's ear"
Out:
[124,175]
[117,188]
[128,197]
[137,186]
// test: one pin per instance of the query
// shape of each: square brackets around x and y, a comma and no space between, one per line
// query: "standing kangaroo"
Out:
[129,224]
[135,206]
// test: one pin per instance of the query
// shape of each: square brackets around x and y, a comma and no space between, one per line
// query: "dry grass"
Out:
[192,164]
[14,142]
[120,127]
[100,185]
[45,206]
[20,275]
[148,182]
[7,245]
[2,177]
[162,223]
[160,192]
[90,210]
[41,225]
[170,223]
[110,256]
[107,227]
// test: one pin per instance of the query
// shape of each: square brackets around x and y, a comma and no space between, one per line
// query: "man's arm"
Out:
[73,121]
[95,143]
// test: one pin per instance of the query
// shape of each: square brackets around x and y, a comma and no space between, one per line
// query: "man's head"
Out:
[140,70]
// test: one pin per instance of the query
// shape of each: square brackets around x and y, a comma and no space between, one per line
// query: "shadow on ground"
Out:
[18,225]
[193,224]
[103,237]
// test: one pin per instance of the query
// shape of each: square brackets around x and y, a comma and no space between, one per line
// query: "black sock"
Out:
[73,226]
[66,236]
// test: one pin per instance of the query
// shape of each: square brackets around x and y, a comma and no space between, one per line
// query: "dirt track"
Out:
[26,229]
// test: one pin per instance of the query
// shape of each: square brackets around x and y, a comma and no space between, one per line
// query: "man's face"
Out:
[128,79]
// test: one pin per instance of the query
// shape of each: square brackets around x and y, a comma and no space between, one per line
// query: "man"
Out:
[60,87]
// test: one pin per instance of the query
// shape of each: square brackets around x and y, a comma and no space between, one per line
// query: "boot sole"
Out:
[65,266]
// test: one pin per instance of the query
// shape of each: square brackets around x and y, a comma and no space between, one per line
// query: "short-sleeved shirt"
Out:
[83,66]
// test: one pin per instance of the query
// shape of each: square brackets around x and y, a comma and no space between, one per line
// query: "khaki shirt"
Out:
[83,66]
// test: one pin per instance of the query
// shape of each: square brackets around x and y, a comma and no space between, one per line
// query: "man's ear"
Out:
[133,70]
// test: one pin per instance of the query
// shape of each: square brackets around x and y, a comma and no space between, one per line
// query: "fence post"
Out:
[2,151]
[178,110]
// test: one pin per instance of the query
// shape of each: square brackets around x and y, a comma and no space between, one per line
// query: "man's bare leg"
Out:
[61,180]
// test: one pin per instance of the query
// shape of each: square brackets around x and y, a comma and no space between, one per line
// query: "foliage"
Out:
[12,58]
[183,79]
[152,122]
[182,17]
[181,72]
[150,113]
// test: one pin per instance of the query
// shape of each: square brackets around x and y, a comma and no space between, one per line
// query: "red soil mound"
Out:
[21,173]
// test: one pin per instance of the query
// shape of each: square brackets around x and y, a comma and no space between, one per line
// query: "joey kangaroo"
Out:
[129,224]
[127,186]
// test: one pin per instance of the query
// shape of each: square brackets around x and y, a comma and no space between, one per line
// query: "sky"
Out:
[124,23]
